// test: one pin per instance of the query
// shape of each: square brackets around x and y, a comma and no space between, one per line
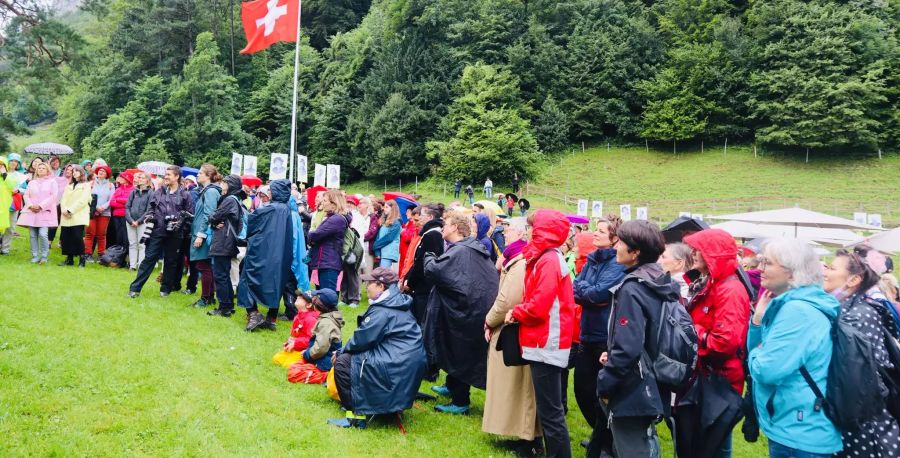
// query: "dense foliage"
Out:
[394,88]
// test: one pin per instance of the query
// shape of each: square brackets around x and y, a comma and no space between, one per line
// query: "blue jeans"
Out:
[40,244]
[777,450]
[385,263]
[328,279]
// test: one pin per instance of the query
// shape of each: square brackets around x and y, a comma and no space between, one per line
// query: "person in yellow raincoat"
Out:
[7,183]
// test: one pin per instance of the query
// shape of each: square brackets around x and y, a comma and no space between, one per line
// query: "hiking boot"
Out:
[225,313]
[81,261]
[254,320]
[70,261]
[441,390]
[132,294]
[163,294]
[189,292]
[270,325]
[353,305]
[452,409]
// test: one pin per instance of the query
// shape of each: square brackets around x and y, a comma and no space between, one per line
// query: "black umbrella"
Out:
[524,203]
[682,227]
[512,196]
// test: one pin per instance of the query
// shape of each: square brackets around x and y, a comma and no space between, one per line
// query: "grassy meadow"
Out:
[85,371]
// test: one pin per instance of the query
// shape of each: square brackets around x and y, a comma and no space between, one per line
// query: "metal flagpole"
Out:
[294,104]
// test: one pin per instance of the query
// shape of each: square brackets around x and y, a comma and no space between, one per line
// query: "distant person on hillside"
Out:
[488,188]
[457,186]
[515,183]
[470,193]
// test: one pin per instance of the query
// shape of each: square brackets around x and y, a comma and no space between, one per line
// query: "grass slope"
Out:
[86,371]
[708,183]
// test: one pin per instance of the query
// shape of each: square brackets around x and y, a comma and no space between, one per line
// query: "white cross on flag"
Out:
[267,22]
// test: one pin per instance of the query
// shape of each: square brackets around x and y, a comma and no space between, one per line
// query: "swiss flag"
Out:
[269,21]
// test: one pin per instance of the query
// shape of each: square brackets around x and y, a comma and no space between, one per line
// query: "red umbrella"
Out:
[251,180]
[395,195]
[312,193]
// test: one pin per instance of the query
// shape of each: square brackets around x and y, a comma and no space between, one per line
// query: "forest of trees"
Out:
[396,88]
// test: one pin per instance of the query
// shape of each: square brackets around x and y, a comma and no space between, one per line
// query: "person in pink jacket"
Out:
[39,211]
[117,206]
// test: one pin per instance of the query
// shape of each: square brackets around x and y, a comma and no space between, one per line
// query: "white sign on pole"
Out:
[334,176]
[302,170]
[582,207]
[684,214]
[278,166]
[320,175]
[237,162]
[250,165]
[642,213]
[859,217]
[625,212]
[597,209]
[875,219]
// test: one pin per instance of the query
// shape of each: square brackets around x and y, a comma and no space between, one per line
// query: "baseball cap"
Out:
[382,275]
[327,297]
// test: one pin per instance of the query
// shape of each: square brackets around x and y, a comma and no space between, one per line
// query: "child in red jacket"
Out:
[301,331]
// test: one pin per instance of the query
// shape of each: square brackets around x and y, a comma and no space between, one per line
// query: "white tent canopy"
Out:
[828,236]
[796,217]
[885,242]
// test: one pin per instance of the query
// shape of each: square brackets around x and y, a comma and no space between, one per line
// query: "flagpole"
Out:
[294,104]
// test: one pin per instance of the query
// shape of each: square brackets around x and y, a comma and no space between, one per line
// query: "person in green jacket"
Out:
[790,328]
[7,183]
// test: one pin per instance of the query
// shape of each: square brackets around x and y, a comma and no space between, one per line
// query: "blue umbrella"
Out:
[189,171]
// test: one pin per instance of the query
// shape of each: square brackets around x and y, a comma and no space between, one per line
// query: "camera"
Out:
[149,224]
[175,223]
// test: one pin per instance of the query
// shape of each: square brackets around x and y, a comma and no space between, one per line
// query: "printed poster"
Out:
[237,162]
[334,176]
[250,165]
[642,213]
[320,175]
[302,171]
[625,212]
[582,207]
[597,209]
[278,166]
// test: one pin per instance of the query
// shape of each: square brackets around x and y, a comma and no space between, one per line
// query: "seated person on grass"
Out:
[301,331]
[325,340]
[382,365]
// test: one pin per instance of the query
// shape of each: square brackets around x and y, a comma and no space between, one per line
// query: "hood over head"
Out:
[550,230]
[719,250]
[234,184]
[281,190]
[483,223]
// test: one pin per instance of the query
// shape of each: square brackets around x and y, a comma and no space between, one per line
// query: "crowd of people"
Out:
[503,304]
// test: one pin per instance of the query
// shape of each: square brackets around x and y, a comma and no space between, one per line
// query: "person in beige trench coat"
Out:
[509,404]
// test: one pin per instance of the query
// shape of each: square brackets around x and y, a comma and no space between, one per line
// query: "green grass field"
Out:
[85,371]
[708,183]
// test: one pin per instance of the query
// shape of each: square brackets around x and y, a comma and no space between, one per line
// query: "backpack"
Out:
[241,236]
[855,391]
[114,256]
[676,343]
[352,249]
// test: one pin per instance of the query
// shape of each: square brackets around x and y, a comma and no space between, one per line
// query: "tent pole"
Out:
[294,104]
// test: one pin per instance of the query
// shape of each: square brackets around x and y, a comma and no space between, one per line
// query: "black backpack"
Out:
[114,256]
[676,344]
[855,392]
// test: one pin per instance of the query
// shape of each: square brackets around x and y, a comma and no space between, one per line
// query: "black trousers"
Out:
[547,381]
[587,366]
[459,391]
[168,249]
[289,297]
[116,233]
[71,239]
[224,288]
[419,307]
[193,273]
[342,380]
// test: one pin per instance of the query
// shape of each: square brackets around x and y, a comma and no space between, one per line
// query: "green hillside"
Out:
[707,183]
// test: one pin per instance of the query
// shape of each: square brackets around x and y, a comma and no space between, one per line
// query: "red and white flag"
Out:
[269,21]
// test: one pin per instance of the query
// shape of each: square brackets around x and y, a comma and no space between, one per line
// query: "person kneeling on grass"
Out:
[325,340]
[382,365]
[301,331]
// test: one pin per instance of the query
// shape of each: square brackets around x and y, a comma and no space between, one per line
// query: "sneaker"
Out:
[162,294]
[452,409]
[441,390]
[342,304]
[201,303]
[225,313]
[133,294]
[254,320]
[353,305]
[350,420]
[189,292]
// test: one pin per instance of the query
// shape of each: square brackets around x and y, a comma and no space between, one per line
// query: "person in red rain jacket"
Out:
[547,317]
[720,308]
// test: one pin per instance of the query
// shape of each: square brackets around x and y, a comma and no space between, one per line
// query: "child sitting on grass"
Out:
[325,340]
[301,331]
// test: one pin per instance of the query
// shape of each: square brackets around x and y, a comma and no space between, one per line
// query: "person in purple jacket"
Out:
[327,240]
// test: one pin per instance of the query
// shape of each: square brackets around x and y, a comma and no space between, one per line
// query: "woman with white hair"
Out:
[790,332]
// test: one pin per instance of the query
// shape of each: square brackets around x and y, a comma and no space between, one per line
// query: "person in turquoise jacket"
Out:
[387,243]
[792,328]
